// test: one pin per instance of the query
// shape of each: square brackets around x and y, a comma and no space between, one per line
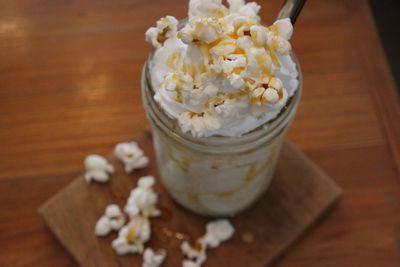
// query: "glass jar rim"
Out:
[171,127]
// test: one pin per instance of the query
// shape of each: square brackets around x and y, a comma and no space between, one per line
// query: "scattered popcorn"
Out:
[224,107]
[224,48]
[102,227]
[235,5]
[192,252]
[146,182]
[217,232]
[195,262]
[284,27]
[283,46]
[259,63]
[270,96]
[198,124]
[175,82]
[97,169]
[250,10]
[131,210]
[143,199]
[243,29]
[131,155]
[166,28]
[259,34]
[153,259]
[244,42]
[211,90]
[256,94]
[236,81]
[275,83]
[131,238]
[233,62]
[140,206]
[206,30]
[210,8]
[113,219]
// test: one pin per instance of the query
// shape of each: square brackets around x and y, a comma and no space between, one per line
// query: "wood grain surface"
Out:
[299,195]
[69,86]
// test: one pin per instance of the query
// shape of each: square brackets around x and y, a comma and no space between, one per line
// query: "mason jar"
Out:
[216,175]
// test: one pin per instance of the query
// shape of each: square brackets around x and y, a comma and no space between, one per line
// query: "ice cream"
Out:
[222,72]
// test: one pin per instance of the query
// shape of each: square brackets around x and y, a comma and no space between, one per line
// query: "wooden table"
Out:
[69,86]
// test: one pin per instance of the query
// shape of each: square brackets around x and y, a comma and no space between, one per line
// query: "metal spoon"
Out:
[291,9]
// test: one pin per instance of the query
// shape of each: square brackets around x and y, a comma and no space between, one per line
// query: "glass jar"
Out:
[217,175]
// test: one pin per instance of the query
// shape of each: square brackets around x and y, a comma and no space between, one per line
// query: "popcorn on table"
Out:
[140,206]
[112,220]
[217,232]
[97,169]
[131,155]
[131,238]
[143,199]
[195,257]
[152,258]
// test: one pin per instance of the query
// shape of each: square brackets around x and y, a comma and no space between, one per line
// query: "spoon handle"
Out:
[291,9]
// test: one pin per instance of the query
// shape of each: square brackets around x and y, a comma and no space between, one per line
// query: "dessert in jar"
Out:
[220,89]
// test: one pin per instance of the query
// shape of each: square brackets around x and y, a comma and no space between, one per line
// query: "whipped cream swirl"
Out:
[224,73]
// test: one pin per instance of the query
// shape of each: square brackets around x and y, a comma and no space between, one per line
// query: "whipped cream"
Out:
[224,73]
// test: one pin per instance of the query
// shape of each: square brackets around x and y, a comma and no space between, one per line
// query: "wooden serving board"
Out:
[299,194]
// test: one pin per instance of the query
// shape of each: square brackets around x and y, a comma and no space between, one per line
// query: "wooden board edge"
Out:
[42,209]
[326,177]
[318,219]
[334,196]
